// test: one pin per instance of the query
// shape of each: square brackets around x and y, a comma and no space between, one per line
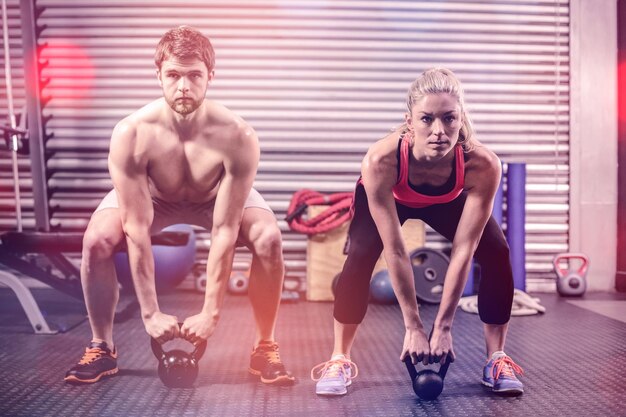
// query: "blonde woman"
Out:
[431,168]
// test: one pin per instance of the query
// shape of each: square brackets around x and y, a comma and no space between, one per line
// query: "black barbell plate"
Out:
[429,271]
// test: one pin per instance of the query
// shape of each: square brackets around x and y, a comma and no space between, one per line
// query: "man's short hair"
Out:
[185,42]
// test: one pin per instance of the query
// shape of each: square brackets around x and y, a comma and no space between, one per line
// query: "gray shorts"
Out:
[167,213]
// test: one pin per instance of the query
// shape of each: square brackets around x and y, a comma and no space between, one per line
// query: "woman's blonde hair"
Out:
[438,81]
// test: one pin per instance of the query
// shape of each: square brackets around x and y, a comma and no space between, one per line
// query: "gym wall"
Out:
[320,81]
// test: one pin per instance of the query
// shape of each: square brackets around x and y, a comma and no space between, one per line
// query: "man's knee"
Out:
[268,243]
[99,244]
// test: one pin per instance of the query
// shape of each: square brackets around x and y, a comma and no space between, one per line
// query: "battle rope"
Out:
[334,216]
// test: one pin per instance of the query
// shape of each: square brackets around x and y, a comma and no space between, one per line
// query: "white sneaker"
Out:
[334,376]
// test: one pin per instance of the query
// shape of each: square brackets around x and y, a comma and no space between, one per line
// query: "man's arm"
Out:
[240,166]
[128,166]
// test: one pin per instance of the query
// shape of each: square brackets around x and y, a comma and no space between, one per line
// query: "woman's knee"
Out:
[502,249]
[350,306]
[493,248]
[495,313]
[352,293]
[361,250]
[349,317]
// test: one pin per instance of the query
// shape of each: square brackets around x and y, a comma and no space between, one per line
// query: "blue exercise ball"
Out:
[381,290]
[171,263]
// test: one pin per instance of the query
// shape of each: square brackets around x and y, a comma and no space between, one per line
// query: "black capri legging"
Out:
[495,293]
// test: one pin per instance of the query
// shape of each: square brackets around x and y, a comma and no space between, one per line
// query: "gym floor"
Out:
[573,357]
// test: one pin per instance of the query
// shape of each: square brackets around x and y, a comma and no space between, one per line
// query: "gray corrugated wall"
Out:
[320,81]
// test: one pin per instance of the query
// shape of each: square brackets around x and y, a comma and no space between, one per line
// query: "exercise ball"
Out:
[171,263]
[381,290]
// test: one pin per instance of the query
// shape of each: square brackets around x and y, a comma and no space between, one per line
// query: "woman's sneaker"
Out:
[265,362]
[97,362]
[333,377]
[499,374]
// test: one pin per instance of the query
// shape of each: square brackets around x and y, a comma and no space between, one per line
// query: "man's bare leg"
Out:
[261,234]
[100,289]
[98,277]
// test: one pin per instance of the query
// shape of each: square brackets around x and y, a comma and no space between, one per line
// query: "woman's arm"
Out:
[379,172]
[481,182]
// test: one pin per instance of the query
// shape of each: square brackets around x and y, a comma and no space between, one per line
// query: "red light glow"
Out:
[70,69]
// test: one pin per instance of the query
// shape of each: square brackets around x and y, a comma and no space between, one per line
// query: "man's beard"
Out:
[184,107]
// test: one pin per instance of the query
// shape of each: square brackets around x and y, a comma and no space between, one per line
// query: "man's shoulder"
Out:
[220,115]
[142,117]
[226,122]
[149,113]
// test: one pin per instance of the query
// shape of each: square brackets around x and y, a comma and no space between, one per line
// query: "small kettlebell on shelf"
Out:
[571,282]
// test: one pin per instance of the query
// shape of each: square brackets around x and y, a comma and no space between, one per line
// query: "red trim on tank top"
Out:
[405,195]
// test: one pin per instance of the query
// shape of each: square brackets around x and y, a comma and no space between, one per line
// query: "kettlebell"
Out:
[427,383]
[177,368]
[571,282]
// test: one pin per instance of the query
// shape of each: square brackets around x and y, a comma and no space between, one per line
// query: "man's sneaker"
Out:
[97,362]
[333,377]
[499,374]
[265,362]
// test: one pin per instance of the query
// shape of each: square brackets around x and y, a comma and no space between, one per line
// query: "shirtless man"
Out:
[182,159]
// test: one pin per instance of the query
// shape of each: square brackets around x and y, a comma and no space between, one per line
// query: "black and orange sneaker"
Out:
[97,362]
[265,362]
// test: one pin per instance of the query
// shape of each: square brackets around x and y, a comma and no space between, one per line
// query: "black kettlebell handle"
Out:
[157,348]
[410,367]
[443,369]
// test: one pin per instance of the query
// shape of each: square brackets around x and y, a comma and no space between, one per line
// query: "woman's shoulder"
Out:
[381,156]
[482,163]
[481,157]
[388,143]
